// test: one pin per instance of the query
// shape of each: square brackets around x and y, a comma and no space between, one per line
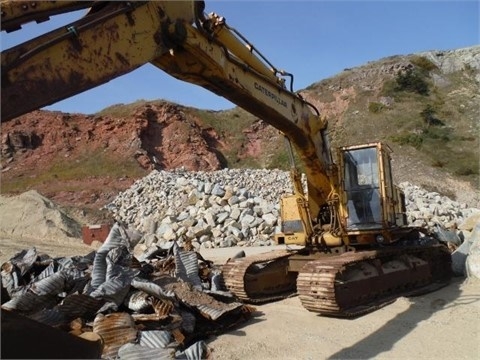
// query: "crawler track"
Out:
[260,278]
[352,284]
[346,285]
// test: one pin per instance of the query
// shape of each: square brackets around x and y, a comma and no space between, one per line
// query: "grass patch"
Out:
[95,164]
[228,122]
[415,140]
[280,161]
[90,165]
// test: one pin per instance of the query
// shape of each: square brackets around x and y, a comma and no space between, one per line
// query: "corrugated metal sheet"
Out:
[115,289]
[162,307]
[139,301]
[116,330]
[52,281]
[14,270]
[65,263]
[218,282]
[79,285]
[52,285]
[152,319]
[152,289]
[80,305]
[155,338]
[25,259]
[116,238]
[10,278]
[103,323]
[99,271]
[120,256]
[48,271]
[186,267]
[30,302]
[73,274]
[197,351]
[136,352]
[205,303]
[52,317]
[216,312]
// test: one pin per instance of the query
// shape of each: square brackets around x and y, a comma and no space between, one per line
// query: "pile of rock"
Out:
[230,207]
[428,209]
[240,207]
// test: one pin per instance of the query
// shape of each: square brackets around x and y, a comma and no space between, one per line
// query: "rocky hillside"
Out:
[424,105]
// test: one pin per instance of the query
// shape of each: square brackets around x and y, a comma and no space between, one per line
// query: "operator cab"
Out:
[370,198]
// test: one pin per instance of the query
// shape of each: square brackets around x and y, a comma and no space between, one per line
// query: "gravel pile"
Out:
[240,207]
[231,207]
[428,209]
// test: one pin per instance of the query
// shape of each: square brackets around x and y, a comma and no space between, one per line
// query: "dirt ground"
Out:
[53,247]
[440,325]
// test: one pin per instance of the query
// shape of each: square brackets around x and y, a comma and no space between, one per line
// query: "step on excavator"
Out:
[354,251]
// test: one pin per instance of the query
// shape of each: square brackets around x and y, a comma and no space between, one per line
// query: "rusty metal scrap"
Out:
[116,330]
[139,301]
[154,308]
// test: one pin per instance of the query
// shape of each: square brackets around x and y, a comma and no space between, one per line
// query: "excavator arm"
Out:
[115,38]
[112,39]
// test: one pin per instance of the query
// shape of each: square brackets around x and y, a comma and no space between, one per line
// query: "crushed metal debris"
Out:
[163,307]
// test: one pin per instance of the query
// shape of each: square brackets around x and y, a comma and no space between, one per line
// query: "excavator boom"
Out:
[115,38]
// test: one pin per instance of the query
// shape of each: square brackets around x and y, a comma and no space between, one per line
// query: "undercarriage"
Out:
[340,285]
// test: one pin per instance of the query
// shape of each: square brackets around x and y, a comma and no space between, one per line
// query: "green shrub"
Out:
[438,163]
[466,164]
[467,138]
[428,116]
[469,69]
[375,107]
[466,170]
[412,81]
[414,140]
[423,63]
[280,160]
[389,88]
[443,134]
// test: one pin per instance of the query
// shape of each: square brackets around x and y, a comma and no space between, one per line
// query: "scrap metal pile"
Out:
[162,307]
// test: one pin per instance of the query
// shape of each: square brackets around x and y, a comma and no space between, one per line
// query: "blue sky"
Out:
[313,40]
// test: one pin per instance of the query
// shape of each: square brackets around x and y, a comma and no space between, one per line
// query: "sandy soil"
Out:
[440,325]
[53,247]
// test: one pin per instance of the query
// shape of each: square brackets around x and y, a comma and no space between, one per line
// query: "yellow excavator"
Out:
[355,251]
